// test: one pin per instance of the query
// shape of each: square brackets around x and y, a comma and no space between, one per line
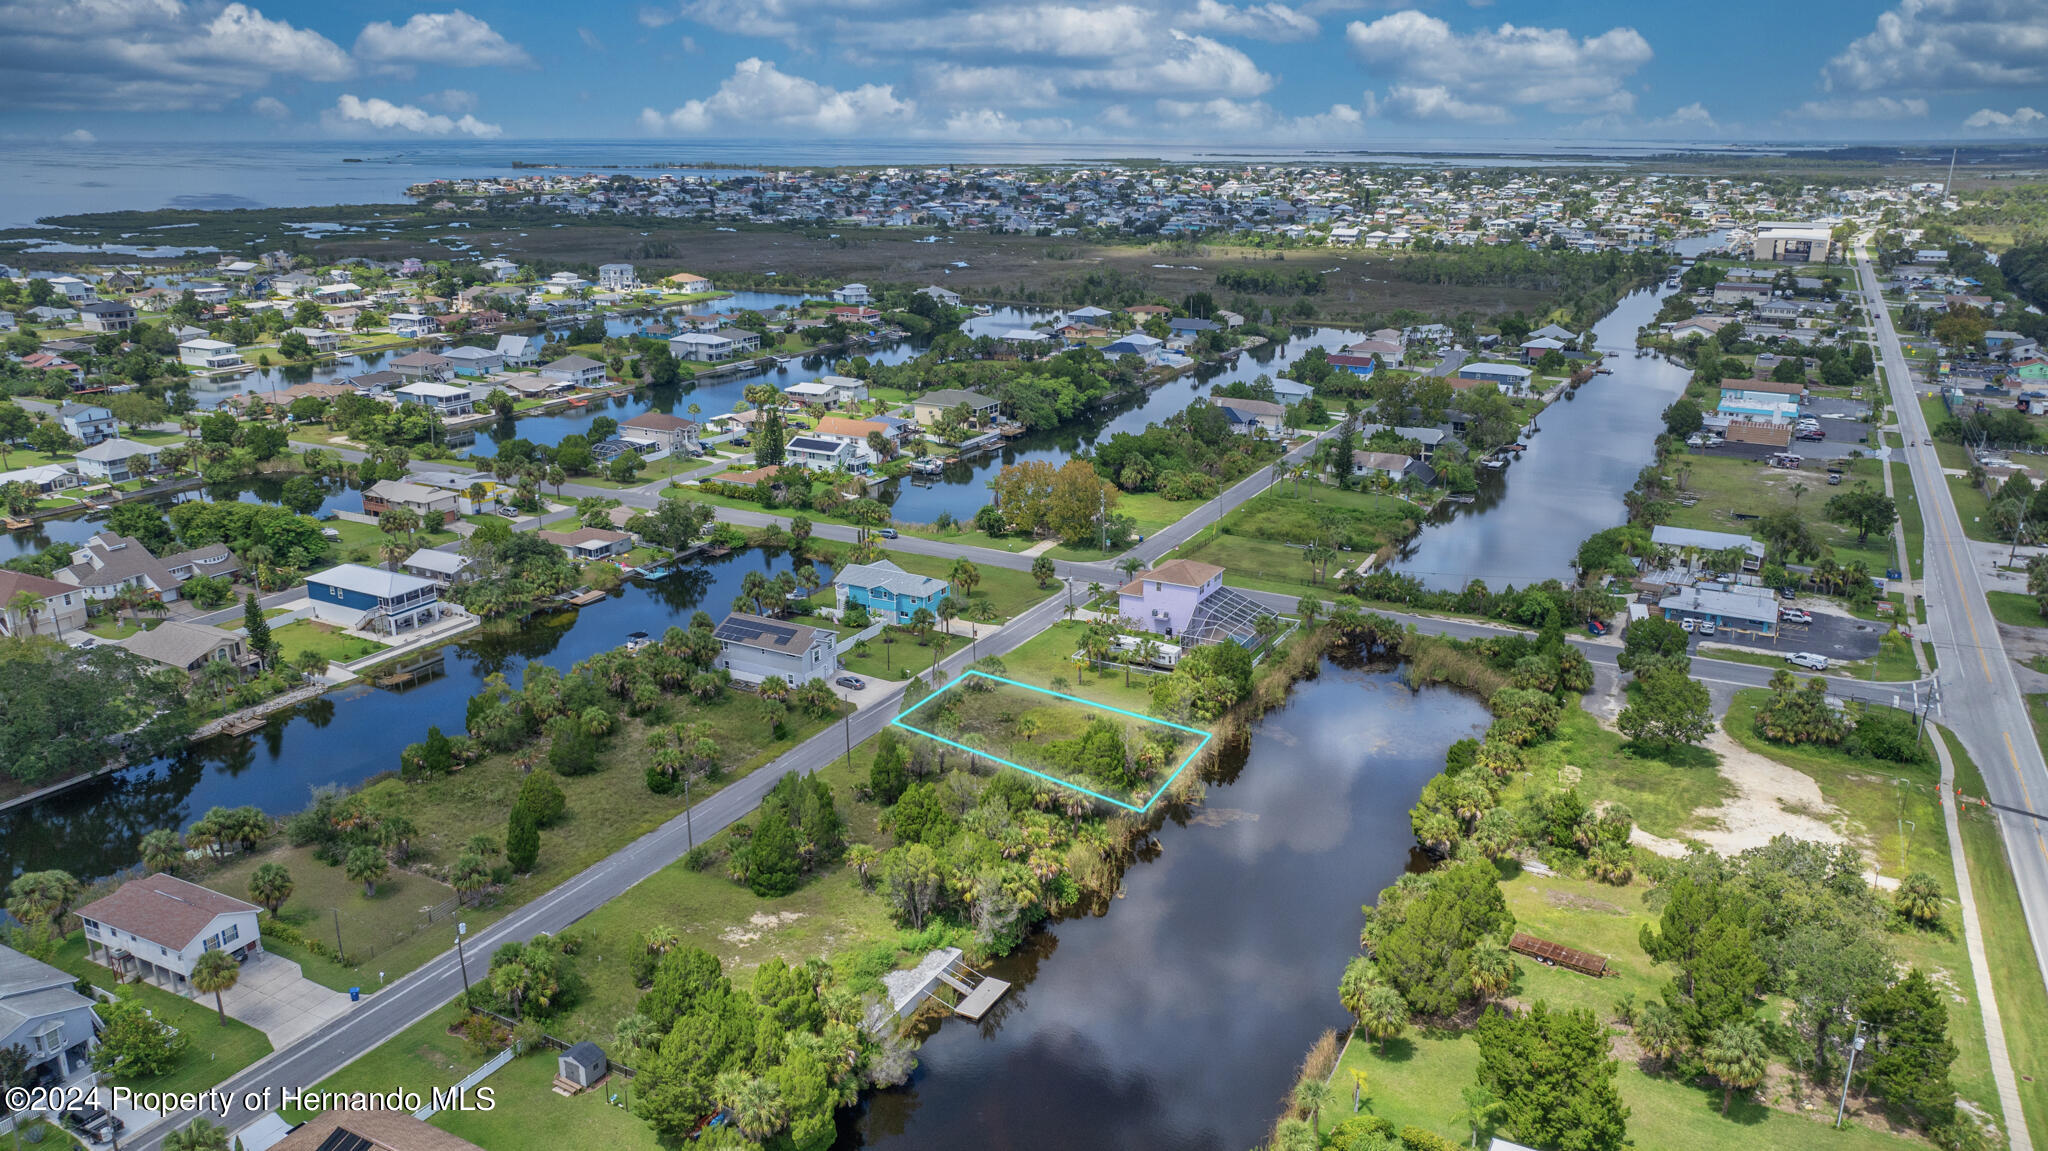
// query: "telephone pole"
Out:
[1849,1072]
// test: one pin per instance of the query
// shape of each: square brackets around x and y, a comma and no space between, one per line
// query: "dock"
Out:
[582,596]
[974,993]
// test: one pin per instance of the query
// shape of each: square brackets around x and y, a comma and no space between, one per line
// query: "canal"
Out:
[1175,1021]
[347,735]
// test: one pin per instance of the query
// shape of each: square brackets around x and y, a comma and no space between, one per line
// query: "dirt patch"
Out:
[761,923]
[1578,902]
[1770,800]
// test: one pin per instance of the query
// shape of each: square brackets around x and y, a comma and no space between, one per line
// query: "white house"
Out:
[824,452]
[157,927]
[855,294]
[830,390]
[754,647]
[447,399]
[320,339]
[616,277]
[577,371]
[42,1017]
[205,353]
[702,347]
[117,460]
[413,325]
[519,351]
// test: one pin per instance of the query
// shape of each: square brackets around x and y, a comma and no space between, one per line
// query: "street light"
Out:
[1849,1072]
[462,929]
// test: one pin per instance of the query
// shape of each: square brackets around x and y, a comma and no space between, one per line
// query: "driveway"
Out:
[274,997]
[1838,637]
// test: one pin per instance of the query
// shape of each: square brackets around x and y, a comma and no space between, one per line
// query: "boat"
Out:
[1496,464]
[1603,370]
[637,640]
[1516,448]
[782,361]
[984,310]
[578,402]
[656,571]
[926,466]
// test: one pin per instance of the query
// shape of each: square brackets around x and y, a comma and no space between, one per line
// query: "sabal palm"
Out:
[1736,1055]
[755,1105]
[215,973]
[1312,1095]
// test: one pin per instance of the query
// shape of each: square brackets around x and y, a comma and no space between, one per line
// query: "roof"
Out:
[659,422]
[1380,461]
[434,390]
[887,575]
[120,558]
[84,411]
[1704,540]
[954,397]
[402,491]
[586,1054]
[420,360]
[1182,573]
[1746,603]
[368,580]
[1516,370]
[435,560]
[20,974]
[1250,407]
[582,536]
[1771,386]
[109,451]
[841,426]
[466,352]
[572,364]
[370,1131]
[163,909]
[763,634]
[13,583]
[815,444]
[176,643]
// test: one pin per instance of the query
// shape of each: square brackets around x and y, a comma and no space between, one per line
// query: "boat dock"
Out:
[974,994]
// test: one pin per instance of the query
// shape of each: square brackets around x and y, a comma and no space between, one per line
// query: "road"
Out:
[1980,697]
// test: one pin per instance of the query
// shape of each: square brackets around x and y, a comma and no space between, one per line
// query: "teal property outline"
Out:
[1053,779]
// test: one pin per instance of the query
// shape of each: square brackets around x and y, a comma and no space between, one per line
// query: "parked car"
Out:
[853,682]
[1795,615]
[1808,660]
[1688,624]
[1596,627]
[886,533]
[1706,628]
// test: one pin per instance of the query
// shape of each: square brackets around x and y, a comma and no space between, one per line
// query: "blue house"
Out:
[1187,326]
[373,600]
[888,592]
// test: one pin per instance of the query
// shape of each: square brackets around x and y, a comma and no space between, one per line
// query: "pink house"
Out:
[1165,599]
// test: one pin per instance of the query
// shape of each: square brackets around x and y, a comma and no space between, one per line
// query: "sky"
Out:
[1315,73]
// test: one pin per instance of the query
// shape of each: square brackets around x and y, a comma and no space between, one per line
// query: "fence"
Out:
[470,1080]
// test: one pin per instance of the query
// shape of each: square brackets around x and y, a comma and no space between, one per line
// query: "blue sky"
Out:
[1320,72]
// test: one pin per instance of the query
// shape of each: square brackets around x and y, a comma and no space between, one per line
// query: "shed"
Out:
[584,1064]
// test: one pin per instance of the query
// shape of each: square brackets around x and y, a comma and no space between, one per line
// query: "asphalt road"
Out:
[1980,698]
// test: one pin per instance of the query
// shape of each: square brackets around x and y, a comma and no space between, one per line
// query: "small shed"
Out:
[584,1064]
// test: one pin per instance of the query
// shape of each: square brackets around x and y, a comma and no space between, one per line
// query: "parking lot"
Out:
[1840,638]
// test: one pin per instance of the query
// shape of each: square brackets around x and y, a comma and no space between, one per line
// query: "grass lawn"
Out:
[2015,609]
[295,639]
[1909,515]
[661,469]
[117,625]
[368,925]
[420,1058]
[1662,794]
[1951,454]
[527,1108]
[1734,493]
[1046,657]
[218,1049]
[2009,951]
[1261,543]
[1973,508]
[902,659]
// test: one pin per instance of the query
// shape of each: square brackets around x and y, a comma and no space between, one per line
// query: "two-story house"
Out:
[586,544]
[89,423]
[157,927]
[616,277]
[1185,600]
[433,505]
[448,400]
[117,460]
[674,433]
[209,353]
[855,294]
[107,562]
[106,316]
[61,611]
[754,647]
[888,592]
[45,1019]
[576,371]
[424,366]
[373,600]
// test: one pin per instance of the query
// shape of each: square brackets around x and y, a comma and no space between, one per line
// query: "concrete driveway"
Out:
[274,997]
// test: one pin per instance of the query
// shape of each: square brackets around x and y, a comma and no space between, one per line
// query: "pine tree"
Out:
[260,643]
[522,838]
[1911,1067]
[775,869]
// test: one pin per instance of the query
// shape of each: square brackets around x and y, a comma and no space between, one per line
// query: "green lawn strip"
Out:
[1732,494]
[2037,714]
[527,1113]
[117,625]
[1909,515]
[363,543]
[1950,453]
[2009,950]
[302,636]
[902,658]
[661,469]
[218,1050]
[1973,508]
[2015,609]
[1662,794]
[1047,657]
[420,1058]
[321,894]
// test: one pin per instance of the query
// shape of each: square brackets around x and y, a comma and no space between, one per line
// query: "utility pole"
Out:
[1848,1073]
[462,960]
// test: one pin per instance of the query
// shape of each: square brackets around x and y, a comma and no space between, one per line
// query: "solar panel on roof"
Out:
[343,1139]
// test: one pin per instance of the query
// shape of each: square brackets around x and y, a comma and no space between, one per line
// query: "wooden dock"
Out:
[974,994]
[580,598]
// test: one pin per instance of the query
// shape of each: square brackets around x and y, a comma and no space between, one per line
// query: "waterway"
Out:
[1174,1021]
[345,736]
[1529,519]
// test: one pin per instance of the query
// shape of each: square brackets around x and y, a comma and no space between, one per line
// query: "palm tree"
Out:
[27,605]
[1736,1055]
[1130,566]
[1483,1111]
[162,850]
[661,939]
[1919,898]
[1312,1095]
[270,885]
[366,865]
[202,1135]
[861,857]
[214,973]
[1385,1014]
[1359,977]
[1493,969]
[755,1105]
[1148,651]
[965,578]
[1659,1031]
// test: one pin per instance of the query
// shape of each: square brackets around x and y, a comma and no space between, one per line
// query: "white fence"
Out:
[470,1080]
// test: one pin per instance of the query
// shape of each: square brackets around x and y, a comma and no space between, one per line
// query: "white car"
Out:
[1706,627]
[1808,660]
[1688,624]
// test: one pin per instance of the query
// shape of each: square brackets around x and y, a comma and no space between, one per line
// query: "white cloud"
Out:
[652,17]
[453,101]
[1946,44]
[351,114]
[989,124]
[152,55]
[590,39]
[1862,108]
[79,136]
[1434,72]
[758,96]
[968,84]
[2020,120]
[270,108]
[1272,21]
[1246,121]
[446,39]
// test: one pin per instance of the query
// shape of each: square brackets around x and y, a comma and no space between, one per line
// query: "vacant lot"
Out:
[324,902]
[1732,494]
[1263,543]
[296,639]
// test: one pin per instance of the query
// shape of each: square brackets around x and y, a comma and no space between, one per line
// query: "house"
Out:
[754,648]
[52,362]
[424,366]
[118,460]
[469,361]
[825,453]
[1736,292]
[210,354]
[320,339]
[1763,390]
[1291,392]
[373,600]
[1188,326]
[1186,599]
[1556,332]
[433,564]
[701,347]
[106,316]
[375,383]
[89,423]
[432,505]
[44,478]
[188,647]
[1792,242]
[888,592]
[674,433]
[1511,379]
[946,298]
[926,409]
[688,282]
[447,400]
[1361,366]
[73,289]
[106,563]
[852,431]
[1703,327]
[854,294]
[1535,349]
[576,371]
[1736,607]
[43,1017]
[369,1131]
[62,608]
[744,340]
[1134,344]
[856,316]
[1248,416]
[586,544]
[157,927]
[1393,465]
[1777,311]
[1694,544]
[519,351]
[412,325]
[831,391]
[616,277]
[2011,345]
